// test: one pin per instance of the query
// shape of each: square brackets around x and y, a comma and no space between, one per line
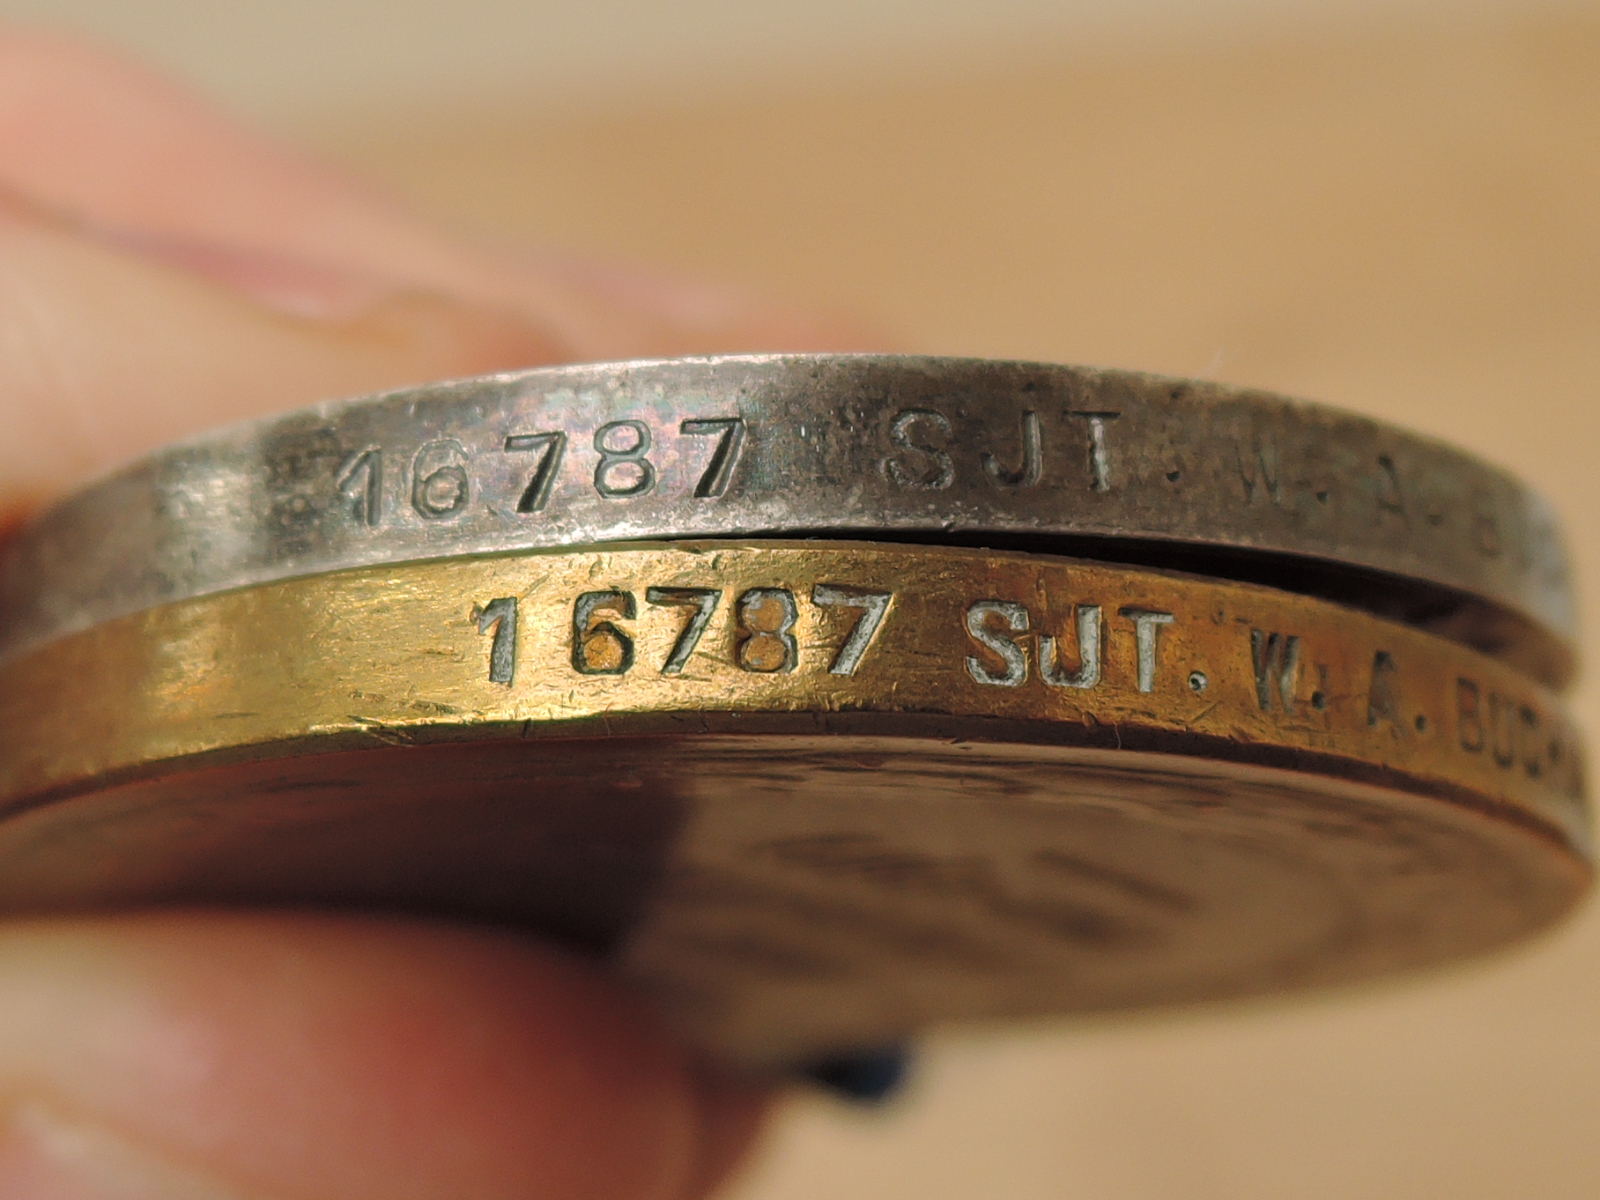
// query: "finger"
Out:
[348,1059]
[87,132]
[105,354]
[122,328]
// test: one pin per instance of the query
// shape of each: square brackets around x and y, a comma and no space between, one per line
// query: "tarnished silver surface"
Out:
[1190,475]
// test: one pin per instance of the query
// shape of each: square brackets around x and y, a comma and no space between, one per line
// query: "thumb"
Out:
[232,1057]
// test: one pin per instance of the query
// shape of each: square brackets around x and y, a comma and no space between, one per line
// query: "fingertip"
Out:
[612,311]
[735,1108]
[113,352]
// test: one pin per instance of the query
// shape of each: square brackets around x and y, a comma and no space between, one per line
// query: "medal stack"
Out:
[828,698]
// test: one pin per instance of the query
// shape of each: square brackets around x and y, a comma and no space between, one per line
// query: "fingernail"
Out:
[690,302]
[307,290]
[44,1156]
[299,289]
[698,310]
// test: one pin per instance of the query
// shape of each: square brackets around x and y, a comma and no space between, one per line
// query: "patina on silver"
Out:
[1112,464]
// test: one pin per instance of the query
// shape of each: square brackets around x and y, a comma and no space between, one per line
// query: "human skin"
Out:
[161,271]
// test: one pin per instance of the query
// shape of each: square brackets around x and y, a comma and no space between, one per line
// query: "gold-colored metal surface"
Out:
[435,650]
[812,794]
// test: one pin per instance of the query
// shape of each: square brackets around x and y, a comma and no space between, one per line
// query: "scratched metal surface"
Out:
[1192,475]
[781,897]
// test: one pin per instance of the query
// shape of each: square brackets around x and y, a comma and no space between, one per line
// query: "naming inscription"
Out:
[923,646]
[919,457]
[996,626]
[1037,456]
[1276,658]
[1506,730]
[624,468]
[762,636]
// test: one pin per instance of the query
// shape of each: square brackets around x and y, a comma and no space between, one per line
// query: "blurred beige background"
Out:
[1396,208]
